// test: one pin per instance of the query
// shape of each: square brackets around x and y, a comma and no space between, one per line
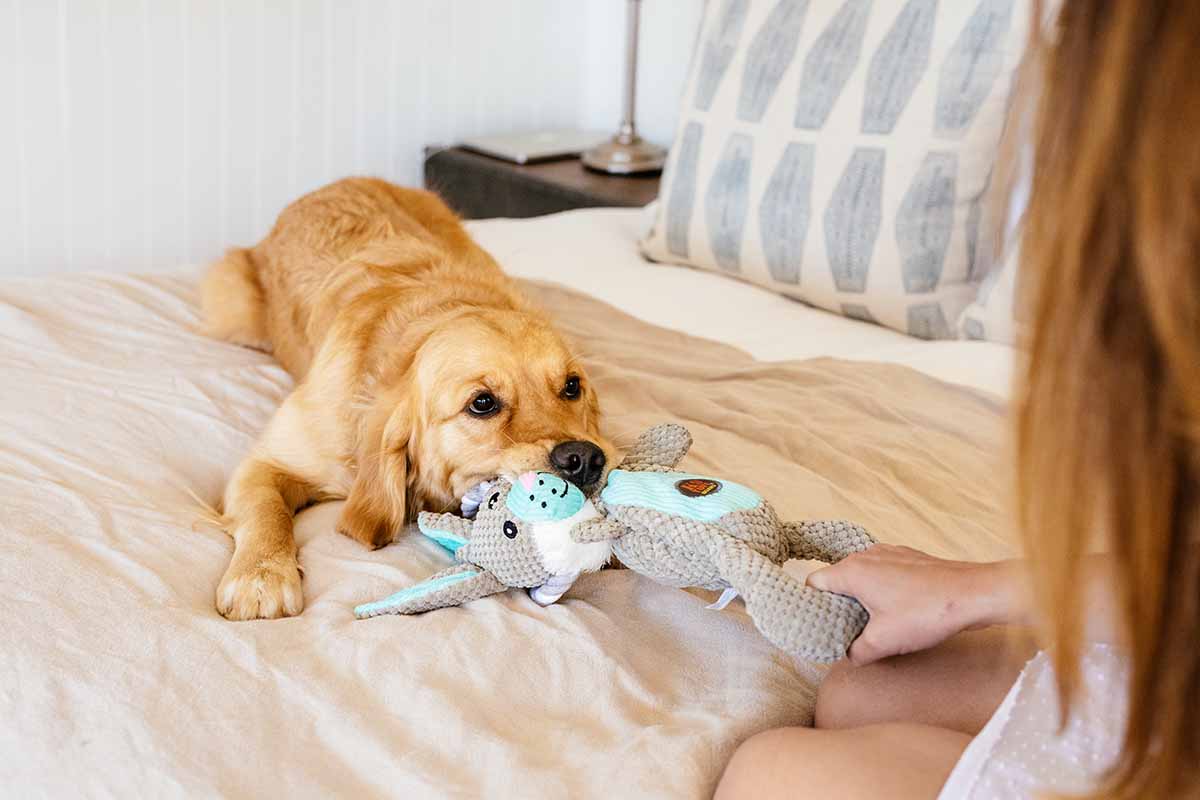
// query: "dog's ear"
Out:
[450,587]
[376,507]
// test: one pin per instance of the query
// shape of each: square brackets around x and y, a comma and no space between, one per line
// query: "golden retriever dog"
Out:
[420,371]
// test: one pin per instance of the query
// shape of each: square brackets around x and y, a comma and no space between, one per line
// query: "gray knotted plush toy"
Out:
[680,529]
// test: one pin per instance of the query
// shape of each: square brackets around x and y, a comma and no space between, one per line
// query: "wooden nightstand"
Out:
[477,186]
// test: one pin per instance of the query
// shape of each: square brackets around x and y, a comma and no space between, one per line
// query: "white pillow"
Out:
[837,151]
[991,316]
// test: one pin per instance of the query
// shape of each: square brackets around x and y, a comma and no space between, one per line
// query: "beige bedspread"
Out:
[119,679]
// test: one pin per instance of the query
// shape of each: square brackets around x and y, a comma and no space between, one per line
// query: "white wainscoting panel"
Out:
[139,134]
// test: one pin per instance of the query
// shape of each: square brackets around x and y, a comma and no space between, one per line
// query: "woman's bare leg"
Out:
[894,728]
[897,761]
[956,685]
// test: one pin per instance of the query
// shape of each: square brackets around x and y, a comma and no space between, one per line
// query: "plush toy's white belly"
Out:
[561,554]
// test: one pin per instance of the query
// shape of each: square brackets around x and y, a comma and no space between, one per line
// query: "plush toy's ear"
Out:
[450,587]
[663,445]
[449,531]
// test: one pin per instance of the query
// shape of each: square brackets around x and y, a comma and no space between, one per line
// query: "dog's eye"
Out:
[484,404]
[492,501]
[571,388]
[510,529]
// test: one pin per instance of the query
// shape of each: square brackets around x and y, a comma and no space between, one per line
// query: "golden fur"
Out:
[391,319]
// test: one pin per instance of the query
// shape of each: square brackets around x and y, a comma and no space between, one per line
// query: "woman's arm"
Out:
[916,600]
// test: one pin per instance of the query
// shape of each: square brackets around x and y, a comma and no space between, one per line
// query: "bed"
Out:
[120,679]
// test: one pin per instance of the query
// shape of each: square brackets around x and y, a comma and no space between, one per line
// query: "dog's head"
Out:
[482,393]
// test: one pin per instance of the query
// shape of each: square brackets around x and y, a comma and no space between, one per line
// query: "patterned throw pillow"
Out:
[991,316]
[837,151]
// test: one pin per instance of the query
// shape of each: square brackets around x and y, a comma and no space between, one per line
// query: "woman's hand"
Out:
[916,600]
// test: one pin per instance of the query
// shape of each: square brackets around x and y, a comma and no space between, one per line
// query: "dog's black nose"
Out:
[581,463]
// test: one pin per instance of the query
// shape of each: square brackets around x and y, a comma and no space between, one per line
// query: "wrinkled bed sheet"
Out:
[119,679]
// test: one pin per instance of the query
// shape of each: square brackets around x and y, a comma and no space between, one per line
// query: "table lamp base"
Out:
[625,156]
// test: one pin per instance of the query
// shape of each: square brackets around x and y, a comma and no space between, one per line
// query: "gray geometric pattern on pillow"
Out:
[771,52]
[972,67]
[718,51]
[805,160]
[974,224]
[683,190]
[926,221]
[783,214]
[898,66]
[859,312]
[928,321]
[853,219]
[727,201]
[830,62]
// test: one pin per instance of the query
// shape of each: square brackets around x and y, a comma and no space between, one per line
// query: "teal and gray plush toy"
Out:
[540,532]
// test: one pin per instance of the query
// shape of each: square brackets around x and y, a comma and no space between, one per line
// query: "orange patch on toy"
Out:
[698,487]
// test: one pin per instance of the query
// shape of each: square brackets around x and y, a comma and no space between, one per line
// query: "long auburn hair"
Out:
[1108,422]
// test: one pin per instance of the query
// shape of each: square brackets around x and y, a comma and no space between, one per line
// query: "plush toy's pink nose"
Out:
[527,479]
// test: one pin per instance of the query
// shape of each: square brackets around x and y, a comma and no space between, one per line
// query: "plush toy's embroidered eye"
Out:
[493,500]
[484,404]
[510,529]
[571,389]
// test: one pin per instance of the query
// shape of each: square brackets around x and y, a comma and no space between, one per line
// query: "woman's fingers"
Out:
[829,579]
[844,577]
[915,600]
[864,650]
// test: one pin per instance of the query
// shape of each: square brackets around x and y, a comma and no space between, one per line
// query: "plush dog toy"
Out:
[540,532]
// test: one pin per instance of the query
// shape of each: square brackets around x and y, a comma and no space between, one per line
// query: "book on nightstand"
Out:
[534,146]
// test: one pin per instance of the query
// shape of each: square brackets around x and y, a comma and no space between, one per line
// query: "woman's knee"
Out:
[896,761]
[754,770]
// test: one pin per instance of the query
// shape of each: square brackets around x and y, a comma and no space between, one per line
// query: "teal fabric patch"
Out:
[548,498]
[681,494]
[413,592]
[448,540]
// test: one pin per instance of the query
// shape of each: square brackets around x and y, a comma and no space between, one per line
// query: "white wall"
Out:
[139,134]
[668,33]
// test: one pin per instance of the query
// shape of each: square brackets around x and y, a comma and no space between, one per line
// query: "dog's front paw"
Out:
[268,589]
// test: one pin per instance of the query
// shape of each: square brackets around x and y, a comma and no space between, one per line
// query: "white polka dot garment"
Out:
[1020,752]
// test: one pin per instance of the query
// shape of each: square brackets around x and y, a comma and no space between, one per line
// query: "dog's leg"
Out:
[263,579]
